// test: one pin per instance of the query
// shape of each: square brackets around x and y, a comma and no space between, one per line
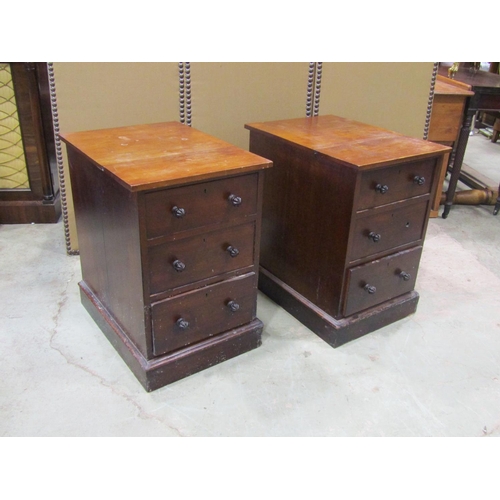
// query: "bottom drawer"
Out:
[380,280]
[197,315]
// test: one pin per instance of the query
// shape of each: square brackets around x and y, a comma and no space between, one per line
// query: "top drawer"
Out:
[397,182]
[178,209]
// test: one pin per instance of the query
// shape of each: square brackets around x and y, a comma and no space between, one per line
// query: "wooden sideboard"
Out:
[168,222]
[345,212]
[447,116]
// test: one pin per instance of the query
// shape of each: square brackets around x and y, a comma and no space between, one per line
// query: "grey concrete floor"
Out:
[436,373]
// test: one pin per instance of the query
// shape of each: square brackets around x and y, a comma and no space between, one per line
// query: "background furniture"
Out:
[29,189]
[446,120]
[486,88]
[496,127]
[169,227]
[345,212]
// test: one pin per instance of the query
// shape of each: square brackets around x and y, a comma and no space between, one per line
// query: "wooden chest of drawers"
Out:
[168,222]
[345,212]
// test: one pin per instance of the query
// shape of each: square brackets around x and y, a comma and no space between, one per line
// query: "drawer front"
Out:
[192,259]
[394,183]
[446,118]
[380,280]
[383,229]
[170,211]
[194,316]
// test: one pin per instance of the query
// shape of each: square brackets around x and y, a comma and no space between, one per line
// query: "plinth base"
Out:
[30,211]
[163,370]
[335,332]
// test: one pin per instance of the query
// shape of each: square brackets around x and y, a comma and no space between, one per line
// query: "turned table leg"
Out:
[457,163]
[496,130]
[497,204]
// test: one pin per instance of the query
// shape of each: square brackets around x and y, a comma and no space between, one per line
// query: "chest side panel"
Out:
[89,207]
[123,260]
[307,210]
[109,239]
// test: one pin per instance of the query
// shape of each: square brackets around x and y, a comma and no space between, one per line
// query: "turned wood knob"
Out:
[178,212]
[233,251]
[234,200]
[419,180]
[234,306]
[381,188]
[404,275]
[178,265]
[370,289]
[182,323]
[374,237]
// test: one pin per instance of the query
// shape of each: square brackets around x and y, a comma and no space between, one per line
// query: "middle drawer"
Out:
[392,226]
[185,261]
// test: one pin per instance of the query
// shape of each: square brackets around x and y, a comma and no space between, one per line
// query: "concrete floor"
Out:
[436,373]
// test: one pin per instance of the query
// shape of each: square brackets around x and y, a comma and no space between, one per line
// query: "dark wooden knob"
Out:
[374,237]
[404,275]
[234,306]
[178,212]
[182,323]
[178,265]
[233,251]
[370,289]
[419,180]
[381,188]
[234,200]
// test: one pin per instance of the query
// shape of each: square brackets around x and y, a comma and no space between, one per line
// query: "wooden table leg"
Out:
[497,204]
[457,163]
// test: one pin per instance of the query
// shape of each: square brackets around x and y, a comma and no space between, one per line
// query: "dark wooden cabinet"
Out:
[27,138]
[168,222]
[345,212]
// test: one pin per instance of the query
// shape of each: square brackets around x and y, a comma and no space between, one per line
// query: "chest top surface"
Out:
[350,142]
[143,157]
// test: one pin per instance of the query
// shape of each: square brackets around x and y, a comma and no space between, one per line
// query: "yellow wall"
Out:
[388,95]
[225,96]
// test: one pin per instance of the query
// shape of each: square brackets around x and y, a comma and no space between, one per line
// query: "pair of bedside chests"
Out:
[177,230]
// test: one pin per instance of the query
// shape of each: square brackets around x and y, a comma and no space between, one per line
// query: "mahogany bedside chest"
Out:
[168,222]
[345,212]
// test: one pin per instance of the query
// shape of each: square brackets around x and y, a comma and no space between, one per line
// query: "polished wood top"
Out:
[447,86]
[149,156]
[350,142]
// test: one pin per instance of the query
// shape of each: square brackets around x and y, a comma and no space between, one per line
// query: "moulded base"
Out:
[168,368]
[333,331]
[30,211]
